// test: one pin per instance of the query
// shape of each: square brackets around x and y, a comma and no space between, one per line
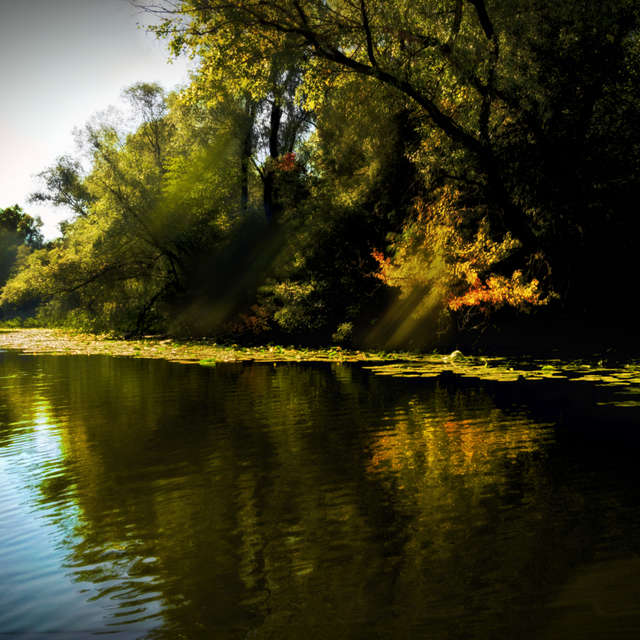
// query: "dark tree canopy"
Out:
[382,170]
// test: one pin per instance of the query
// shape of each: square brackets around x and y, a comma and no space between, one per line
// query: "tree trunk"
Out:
[246,153]
[271,205]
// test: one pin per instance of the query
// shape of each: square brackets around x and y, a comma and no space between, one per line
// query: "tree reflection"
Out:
[303,500]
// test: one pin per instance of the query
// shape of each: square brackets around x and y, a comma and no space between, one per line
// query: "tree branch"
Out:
[483,17]
[494,54]
[367,31]
[299,24]
[457,20]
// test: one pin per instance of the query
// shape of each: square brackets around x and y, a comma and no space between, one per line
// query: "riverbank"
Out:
[621,375]
[64,342]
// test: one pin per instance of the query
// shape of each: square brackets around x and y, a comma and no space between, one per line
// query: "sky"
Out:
[62,61]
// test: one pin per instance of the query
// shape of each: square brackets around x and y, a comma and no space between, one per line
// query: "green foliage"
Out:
[65,186]
[13,220]
[19,235]
[378,170]
[159,198]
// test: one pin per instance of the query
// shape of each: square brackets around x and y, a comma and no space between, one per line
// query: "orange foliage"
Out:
[439,254]
[384,264]
[287,163]
[497,292]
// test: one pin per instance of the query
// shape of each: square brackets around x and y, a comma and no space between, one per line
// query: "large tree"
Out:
[157,198]
[527,109]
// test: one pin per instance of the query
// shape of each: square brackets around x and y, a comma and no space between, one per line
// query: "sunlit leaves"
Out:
[452,265]
[499,291]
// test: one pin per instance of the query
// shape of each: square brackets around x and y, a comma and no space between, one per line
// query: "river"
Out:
[148,499]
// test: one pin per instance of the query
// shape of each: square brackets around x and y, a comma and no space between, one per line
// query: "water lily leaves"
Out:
[503,370]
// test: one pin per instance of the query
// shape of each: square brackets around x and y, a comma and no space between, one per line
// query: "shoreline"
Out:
[65,342]
[621,377]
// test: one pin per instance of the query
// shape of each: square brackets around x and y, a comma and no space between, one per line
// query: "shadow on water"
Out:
[255,501]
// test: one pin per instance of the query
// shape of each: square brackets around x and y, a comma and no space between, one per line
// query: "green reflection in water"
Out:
[319,501]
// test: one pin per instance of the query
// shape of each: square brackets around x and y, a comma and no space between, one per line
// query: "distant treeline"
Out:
[377,171]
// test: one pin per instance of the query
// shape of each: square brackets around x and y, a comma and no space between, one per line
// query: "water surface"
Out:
[147,499]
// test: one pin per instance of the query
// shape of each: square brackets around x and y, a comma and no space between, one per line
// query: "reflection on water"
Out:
[251,501]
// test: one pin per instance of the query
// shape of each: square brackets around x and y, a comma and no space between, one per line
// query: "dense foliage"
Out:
[19,234]
[372,170]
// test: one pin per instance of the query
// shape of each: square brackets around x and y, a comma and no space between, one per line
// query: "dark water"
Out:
[153,500]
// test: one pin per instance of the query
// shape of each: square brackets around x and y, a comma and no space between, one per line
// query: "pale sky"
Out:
[61,61]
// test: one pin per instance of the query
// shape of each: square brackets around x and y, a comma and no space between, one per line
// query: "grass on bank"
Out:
[203,351]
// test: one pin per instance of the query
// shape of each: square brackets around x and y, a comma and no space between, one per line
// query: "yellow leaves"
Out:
[472,258]
[437,256]
[235,60]
[498,291]
[317,81]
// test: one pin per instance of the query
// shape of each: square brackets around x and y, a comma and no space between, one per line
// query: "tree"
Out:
[456,159]
[64,184]
[19,233]
[159,198]
[513,99]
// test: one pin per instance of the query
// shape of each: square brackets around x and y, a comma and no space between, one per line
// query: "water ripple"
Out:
[161,501]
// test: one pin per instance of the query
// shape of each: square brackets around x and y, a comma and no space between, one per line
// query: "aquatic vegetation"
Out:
[623,378]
